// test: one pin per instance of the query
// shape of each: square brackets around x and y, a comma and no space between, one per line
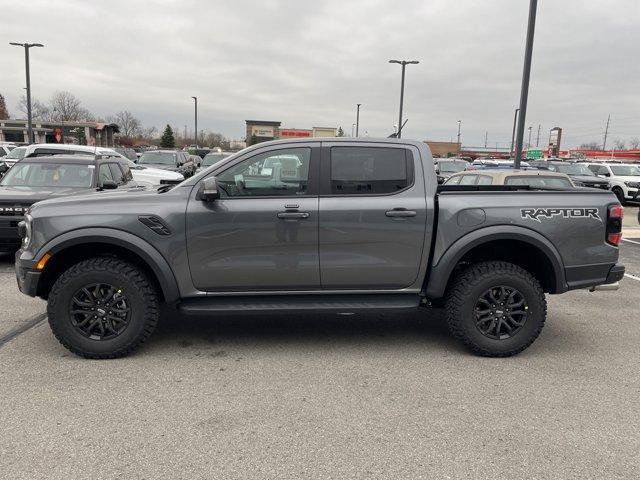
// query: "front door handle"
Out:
[293,215]
[400,212]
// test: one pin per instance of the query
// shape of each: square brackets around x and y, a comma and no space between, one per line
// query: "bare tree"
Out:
[149,133]
[619,144]
[634,143]
[590,146]
[4,113]
[66,107]
[129,125]
[39,111]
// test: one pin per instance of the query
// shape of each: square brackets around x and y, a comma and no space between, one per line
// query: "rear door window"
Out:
[468,179]
[369,170]
[484,180]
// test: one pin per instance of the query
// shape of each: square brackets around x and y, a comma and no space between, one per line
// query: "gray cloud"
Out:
[308,63]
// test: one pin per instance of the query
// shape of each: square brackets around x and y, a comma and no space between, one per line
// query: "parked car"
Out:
[38,178]
[173,160]
[126,152]
[623,178]
[579,173]
[146,176]
[479,164]
[534,178]
[213,158]
[5,149]
[342,226]
[445,167]
[143,175]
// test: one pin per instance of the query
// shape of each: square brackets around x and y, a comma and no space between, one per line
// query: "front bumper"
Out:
[26,275]
[632,194]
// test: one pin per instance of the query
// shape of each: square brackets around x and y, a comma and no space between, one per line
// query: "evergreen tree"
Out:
[167,140]
[4,114]
[340,132]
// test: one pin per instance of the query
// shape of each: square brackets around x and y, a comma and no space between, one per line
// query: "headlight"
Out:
[632,184]
[25,230]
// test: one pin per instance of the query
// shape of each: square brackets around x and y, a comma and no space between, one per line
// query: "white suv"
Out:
[624,178]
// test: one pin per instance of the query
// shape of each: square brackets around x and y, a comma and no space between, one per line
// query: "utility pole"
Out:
[195,99]
[526,74]
[529,142]
[26,47]
[486,137]
[358,119]
[606,132]
[513,134]
[404,63]
[538,138]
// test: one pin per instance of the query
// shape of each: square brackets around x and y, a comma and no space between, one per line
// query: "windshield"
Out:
[539,181]
[17,153]
[626,170]
[573,169]
[158,158]
[48,175]
[451,167]
[213,158]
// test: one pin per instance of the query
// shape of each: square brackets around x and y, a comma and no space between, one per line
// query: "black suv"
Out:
[33,179]
[174,160]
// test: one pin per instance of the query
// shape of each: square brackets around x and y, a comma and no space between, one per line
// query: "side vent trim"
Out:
[155,224]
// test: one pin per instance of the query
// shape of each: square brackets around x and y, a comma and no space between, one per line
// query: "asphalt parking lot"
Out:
[380,396]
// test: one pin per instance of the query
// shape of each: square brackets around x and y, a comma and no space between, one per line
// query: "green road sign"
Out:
[534,153]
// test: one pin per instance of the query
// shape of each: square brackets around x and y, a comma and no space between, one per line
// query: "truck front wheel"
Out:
[497,309]
[102,307]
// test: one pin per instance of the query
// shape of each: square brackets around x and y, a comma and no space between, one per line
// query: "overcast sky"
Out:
[307,63]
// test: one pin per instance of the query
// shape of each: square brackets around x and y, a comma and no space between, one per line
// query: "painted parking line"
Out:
[630,241]
[28,325]
[633,277]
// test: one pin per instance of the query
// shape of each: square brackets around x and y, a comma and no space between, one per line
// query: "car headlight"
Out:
[24,227]
[632,184]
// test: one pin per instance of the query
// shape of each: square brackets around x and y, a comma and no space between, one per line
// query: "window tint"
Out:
[368,170]
[105,173]
[468,180]
[49,175]
[276,173]
[453,180]
[539,181]
[484,180]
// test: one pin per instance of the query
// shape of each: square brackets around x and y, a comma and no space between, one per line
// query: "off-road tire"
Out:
[619,193]
[135,285]
[468,286]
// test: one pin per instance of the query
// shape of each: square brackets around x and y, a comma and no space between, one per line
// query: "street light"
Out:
[459,124]
[526,74]
[195,99]
[513,134]
[358,118]
[26,47]
[404,63]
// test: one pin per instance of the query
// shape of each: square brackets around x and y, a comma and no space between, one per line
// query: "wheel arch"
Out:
[518,245]
[77,245]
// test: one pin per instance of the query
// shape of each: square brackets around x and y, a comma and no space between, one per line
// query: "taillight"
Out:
[614,224]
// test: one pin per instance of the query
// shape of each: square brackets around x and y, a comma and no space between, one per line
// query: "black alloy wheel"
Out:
[500,312]
[100,311]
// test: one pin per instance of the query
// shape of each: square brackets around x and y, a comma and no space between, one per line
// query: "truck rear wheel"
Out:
[102,308]
[497,309]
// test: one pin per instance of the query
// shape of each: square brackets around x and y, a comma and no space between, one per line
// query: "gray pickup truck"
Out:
[322,225]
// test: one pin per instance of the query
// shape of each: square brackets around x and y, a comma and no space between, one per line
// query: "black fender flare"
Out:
[441,272]
[112,236]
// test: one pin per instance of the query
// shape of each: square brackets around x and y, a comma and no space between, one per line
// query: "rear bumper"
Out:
[26,275]
[615,274]
[587,276]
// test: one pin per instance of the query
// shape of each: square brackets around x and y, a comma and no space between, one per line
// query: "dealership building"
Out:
[84,133]
[266,130]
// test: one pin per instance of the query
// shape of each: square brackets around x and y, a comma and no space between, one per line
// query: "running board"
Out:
[299,303]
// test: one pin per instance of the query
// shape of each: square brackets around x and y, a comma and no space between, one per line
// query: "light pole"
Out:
[526,74]
[404,63]
[529,141]
[26,47]
[513,134]
[195,99]
[358,118]
[459,146]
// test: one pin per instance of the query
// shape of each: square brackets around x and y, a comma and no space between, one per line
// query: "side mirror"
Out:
[208,191]
[108,185]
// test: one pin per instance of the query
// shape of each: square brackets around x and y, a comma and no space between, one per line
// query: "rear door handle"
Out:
[400,212]
[293,215]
